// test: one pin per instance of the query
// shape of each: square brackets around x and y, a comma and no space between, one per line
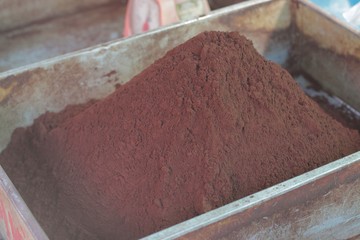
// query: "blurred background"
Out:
[35,30]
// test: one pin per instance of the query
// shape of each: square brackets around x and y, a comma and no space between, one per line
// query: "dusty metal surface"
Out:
[58,36]
[326,31]
[321,203]
[330,52]
[17,13]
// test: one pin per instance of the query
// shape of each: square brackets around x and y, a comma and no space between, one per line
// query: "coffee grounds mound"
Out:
[210,122]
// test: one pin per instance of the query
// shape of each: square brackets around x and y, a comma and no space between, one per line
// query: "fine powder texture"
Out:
[210,122]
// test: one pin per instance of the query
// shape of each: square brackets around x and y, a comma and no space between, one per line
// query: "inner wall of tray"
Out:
[329,78]
[328,51]
[337,74]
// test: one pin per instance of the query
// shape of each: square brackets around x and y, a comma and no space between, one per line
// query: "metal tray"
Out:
[321,204]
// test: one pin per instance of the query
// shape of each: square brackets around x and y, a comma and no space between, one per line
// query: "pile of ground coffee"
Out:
[210,122]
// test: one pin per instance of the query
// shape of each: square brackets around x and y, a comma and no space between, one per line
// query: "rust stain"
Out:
[109,74]
[10,87]
[5,91]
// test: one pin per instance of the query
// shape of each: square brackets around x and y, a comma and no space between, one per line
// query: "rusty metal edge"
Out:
[255,199]
[21,208]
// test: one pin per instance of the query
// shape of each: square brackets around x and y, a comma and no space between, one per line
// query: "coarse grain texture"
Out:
[210,122]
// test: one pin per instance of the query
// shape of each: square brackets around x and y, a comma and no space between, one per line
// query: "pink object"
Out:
[144,15]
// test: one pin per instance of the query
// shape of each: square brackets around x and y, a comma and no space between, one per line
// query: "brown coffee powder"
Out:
[210,122]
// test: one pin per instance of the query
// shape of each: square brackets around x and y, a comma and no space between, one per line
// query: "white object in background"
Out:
[352,16]
[188,9]
[144,15]
[344,10]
